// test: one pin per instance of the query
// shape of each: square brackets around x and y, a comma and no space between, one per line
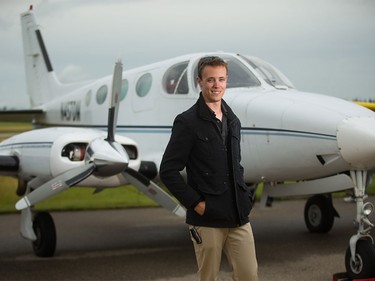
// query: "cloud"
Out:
[72,73]
[315,43]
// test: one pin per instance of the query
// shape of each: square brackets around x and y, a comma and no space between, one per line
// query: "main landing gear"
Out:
[319,213]
[44,228]
[40,229]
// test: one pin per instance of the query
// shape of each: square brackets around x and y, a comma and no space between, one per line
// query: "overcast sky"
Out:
[322,46]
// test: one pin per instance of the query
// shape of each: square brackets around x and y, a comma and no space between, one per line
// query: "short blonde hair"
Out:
[210,61]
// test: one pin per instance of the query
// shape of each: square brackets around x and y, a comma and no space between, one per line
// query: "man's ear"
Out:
[199,81]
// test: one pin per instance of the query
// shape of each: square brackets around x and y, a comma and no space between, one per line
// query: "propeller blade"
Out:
[115,101]
[56,185]
[153,191]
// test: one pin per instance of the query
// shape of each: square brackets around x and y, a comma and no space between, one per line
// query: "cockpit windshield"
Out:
[269,73]
[239,76]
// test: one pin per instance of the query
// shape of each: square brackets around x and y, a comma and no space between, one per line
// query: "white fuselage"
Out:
[286,134]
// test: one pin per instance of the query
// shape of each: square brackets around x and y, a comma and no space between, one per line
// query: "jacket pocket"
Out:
[216,209]
[246,198]
[204,145]
[210,185]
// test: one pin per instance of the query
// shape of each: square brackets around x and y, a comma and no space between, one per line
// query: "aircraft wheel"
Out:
[44,228]
[319,214]
[364,264]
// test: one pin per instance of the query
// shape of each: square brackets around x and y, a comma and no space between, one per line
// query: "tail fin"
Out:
[42,83]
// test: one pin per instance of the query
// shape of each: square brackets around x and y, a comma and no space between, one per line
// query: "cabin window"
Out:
[101,94]
[143,85]
[239,76]
[124,89]
[175,79]
[269,73]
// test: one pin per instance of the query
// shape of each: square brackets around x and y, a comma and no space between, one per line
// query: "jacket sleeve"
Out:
[174,161]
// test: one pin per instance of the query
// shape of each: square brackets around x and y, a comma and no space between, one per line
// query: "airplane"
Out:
[292,142]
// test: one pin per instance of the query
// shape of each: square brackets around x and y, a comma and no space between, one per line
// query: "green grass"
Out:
[12,127]
[8,129]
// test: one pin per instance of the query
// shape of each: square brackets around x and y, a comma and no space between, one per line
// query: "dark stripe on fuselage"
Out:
[282,132]
[143,129]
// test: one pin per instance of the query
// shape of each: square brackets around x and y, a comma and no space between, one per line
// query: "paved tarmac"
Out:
[153,244]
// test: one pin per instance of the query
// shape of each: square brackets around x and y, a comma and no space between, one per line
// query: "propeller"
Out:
[103,157]
[115,101]
[153,191]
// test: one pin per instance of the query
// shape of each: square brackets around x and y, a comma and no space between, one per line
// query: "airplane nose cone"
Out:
[356,141]
[110,158]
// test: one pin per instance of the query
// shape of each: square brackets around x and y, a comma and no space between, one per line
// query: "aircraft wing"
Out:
[369,105]
[25,115]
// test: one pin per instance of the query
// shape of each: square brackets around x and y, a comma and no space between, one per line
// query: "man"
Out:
[206,141]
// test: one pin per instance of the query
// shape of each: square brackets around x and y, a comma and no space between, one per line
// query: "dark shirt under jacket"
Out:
[214,172]
[222,125]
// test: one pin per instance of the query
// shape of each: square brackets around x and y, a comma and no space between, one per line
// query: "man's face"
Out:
[213,83]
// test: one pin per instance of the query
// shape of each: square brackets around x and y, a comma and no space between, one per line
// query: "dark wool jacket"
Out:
[214,172]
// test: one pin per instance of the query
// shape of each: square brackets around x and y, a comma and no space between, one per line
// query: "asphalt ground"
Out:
[153,244]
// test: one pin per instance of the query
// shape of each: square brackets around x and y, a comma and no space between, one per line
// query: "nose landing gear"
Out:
[360,255]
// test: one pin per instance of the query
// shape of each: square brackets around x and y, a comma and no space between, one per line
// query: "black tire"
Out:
[44,228]
[364,265]
[319,214]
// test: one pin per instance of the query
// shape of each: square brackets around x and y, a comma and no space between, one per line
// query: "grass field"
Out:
[8,129]
[83,198]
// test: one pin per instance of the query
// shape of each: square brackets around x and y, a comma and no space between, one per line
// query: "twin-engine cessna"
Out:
[294,143]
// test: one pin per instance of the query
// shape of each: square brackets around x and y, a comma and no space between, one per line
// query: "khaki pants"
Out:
[237,244]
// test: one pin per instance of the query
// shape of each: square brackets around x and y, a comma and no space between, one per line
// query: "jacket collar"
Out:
[205,112]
